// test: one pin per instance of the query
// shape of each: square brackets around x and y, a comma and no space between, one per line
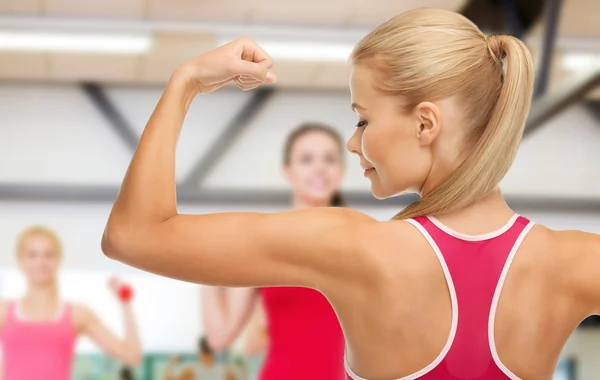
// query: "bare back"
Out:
[405,316]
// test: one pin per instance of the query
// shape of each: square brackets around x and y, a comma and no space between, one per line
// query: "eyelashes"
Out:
[361,124]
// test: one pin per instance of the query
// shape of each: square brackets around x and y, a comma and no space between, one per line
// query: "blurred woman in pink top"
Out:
[39,331]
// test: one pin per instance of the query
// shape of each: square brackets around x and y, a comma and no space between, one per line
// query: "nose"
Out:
[354,143]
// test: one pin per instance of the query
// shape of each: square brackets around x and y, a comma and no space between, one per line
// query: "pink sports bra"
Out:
[475,268]
[38,350]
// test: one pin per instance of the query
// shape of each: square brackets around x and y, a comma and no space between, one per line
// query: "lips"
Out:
[367,168]
[369,171]
[318,184]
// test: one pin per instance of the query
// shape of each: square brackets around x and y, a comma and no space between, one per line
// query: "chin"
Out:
[379,193]
[41,280]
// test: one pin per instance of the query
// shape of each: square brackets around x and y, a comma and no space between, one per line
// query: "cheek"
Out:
[53,262]
[376,146]
[385,143]
[24,264]
[335,174]
[298,174]
[30,267]
[55,266]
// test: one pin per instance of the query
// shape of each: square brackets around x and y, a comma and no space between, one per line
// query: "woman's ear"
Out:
[428,122]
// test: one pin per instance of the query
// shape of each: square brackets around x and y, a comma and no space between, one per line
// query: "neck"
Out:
[434,178]
[493,201]
[487,214]
[42,292]
[300,203]
[445,162]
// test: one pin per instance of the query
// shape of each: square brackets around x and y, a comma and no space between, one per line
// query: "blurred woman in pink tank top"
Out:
[39,331]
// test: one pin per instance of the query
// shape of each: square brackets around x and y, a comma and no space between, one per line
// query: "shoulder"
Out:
[581,249]
[82,314]
[571,257]
[388,246]
[80,309]
[579,254]
[318,225]
[400,233]
[347,219]
[571,243]
[558,247]
[331,215]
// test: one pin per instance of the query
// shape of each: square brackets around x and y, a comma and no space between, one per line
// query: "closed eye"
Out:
[362,124]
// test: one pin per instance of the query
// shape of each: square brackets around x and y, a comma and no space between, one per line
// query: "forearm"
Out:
[214,308]
[132,340]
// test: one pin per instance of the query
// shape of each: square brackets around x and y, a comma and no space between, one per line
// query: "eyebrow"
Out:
[356,105]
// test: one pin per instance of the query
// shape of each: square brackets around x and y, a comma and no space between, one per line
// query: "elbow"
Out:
[112,245]
[120,240]
[126,239]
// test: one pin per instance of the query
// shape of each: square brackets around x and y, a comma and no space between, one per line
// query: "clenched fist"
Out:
[241,61]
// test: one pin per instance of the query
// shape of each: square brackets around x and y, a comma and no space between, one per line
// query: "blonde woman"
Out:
[456,286]
[39,331]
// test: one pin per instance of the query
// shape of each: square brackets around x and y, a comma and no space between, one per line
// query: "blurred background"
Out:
[79,79]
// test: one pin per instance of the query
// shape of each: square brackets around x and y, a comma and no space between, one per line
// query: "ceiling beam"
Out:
[273,198]
[219,148]
[594,107]
[112,114]
[514,21]
[559,99]
[552,21]
[108,194]
[519,15]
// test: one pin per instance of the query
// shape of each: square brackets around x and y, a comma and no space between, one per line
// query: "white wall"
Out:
[560,159]
[52,134]
[204,121]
